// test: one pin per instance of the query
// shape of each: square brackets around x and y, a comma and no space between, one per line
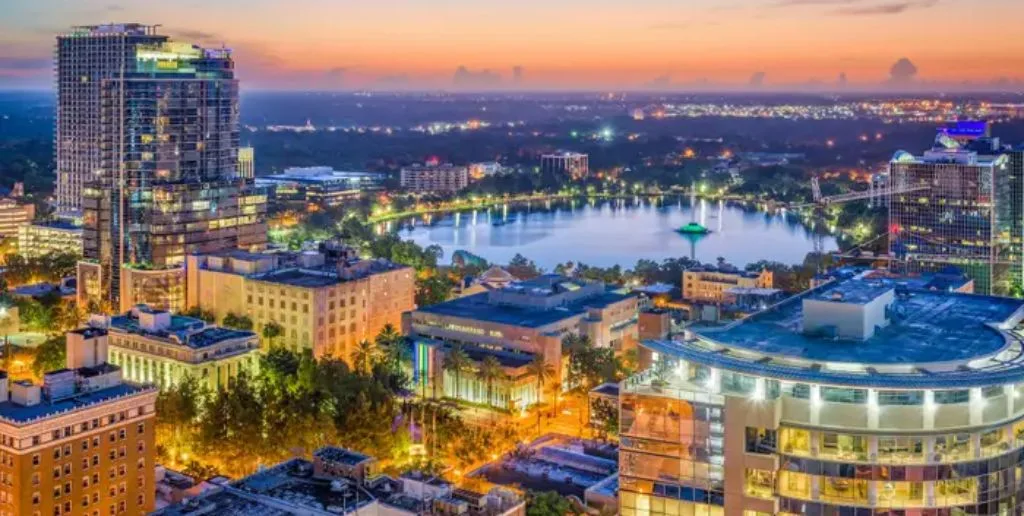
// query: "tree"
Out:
[548,503]
[365,356]
[456,361]
[433,289]
[489,371]
[271,331]
[238,322]
[523,268]
[198,313]
[542,370]
[51,355]
[606,416]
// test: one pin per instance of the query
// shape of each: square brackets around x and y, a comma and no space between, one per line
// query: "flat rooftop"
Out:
[934,339]
[185,329]
[341,455]
[18,414]
[926,327]
[477,308]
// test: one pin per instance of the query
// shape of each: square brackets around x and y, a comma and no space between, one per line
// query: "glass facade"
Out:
[167,185]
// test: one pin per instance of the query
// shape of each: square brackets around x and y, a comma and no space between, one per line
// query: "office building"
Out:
[156,347]
[322,301]
[865,395]
[563,163]
[168,148]
[85,58]
[340,481]
[318,186]
[80,443]
[956,206]
[514,324]
[434,178]
[711,284]
[49,237]
[246,162]
[14,215]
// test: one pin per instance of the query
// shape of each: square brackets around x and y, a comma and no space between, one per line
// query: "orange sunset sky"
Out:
[594,44]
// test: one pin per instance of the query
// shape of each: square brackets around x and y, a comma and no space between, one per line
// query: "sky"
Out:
[559,44]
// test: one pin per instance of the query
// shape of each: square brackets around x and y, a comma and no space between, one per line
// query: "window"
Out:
[761,440]
[951,397]
[142,428]
[35,460]
[843,395]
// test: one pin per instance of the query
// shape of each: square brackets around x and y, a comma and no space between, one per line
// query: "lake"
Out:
[615,231]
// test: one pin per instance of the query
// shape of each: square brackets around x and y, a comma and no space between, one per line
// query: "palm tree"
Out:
[542,370]
[456,361]
[271,331]
[364,356]
[489,371]
[392,344]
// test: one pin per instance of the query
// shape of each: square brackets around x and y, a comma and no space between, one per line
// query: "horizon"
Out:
[648,45]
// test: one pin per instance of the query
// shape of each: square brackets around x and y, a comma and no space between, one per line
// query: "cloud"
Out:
[887,8]
[903,71]
[757,79]
[670,26]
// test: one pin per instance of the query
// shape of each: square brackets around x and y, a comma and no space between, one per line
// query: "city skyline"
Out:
[743,44]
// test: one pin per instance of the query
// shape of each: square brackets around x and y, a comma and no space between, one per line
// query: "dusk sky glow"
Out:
[590,44]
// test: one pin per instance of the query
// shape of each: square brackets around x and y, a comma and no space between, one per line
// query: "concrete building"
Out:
[84,58]
[339,481]
[865,395]
[318,186]
[514,324]
[166,182]
[710,284]
[80,443]
[49,237]
[563,163]
[14,215]
[320,302]
[247,162]
[434,178]
[156,347]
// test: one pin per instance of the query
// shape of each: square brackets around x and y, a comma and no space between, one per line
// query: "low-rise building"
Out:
[514,324]
[318,186]
[434,178]
[322,301]
[49,237]
[708,284]
[339,481]
[154,346]
[81,442]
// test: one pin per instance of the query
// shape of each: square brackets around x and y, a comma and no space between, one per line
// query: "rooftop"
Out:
[19,414]
[188,331]
[341,455]
[478,307]
[932,338]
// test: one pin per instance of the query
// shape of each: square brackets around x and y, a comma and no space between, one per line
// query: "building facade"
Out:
[85,57]
[560,164]
[319,303]
[710,284]
[317,187]
[865,395]
[14,215]
[168,147]
[246,162]
[513,324]
[81,443]
[434,178]
[956,207]
[156,347]
[49,237]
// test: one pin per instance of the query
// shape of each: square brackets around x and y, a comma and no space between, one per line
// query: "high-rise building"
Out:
[82,442]
[572,164]
[957,206]
[867,395]
[14,215]
[167,184]
[85,58]
[247,162]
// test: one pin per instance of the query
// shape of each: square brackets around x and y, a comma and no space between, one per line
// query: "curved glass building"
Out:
[866,395]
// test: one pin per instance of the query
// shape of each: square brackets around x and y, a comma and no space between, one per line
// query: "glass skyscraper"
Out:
[166,184]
